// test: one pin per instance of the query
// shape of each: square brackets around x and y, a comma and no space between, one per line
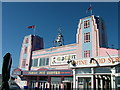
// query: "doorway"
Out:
[84,83]
[68,85]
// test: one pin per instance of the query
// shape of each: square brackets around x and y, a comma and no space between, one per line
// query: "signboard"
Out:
[58,60]
[16,72]
[49,72]
[98,61]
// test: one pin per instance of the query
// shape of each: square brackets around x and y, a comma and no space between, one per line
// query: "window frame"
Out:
[86,37]
[86,53]
[86,24]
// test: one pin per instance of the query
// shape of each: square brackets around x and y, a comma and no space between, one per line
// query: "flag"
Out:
[90,8]
[33,26]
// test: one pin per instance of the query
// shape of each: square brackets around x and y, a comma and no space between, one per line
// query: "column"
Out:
[113,78]
[74,79]
[101,82]
[49,80]
[36,85]
[62,83]
[92,78]
[113,81]
[96,82]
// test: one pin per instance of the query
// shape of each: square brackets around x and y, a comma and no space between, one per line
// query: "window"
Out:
[44,61]
[40,62]
[86,37]
[23,63]
[47,61]
[35,62]
[87,53]
[86,23]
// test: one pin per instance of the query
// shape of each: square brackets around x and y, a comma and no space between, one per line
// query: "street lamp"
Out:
[91,60]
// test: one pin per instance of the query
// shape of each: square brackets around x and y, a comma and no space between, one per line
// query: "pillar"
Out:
[62,83]
[36,85]
[92,78]
[74,79]
[49,80]
[113,78]
[101,81]
[96,82]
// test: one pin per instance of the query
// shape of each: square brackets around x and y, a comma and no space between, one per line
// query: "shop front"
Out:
[100,74]
[49,79]
[87,80]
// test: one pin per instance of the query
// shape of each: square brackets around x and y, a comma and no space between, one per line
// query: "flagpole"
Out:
[91,9]
[34,31]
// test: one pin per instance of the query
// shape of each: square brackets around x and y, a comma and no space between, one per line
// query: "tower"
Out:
[30,43]
[91,35]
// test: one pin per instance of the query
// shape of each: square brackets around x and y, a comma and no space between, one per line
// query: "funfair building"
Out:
[88,63]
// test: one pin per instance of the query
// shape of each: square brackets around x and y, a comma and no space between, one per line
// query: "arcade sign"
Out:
[98,61]
[59,60]
[49,72]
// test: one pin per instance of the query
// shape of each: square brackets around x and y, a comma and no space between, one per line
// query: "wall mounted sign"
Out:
[16,72]
[99,61]
[49,72]
[58,60]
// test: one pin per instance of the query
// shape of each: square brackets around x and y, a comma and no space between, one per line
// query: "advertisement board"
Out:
[62,59]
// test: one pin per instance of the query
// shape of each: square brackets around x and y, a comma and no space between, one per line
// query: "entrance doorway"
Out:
[68,85]
[84,83]
[99,82]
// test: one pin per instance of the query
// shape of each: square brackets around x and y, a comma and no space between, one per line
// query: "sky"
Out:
[48,17]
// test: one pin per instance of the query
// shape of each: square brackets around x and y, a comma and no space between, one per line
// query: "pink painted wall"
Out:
[54,50]
[102,51]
